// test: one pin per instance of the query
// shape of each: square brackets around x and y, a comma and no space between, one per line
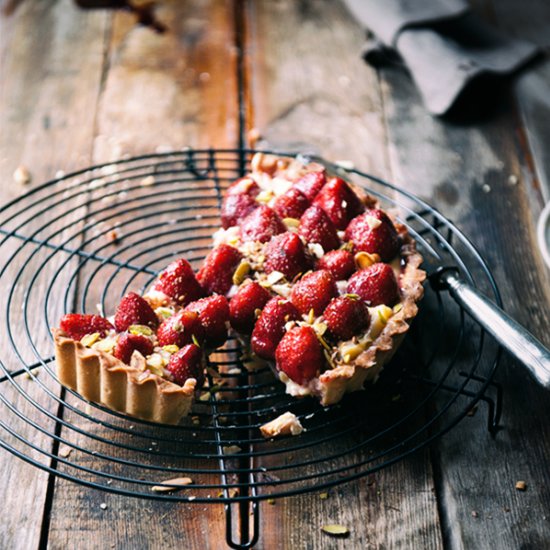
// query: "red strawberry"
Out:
[243,186]
[286,253]
[311,184]
[316,227]
[270,326]
[179,283]
[235,208]
[299,354]
[243,306]
[187,363]
[340,263]
[213,315]
[314,291]
[292,204]
[127,343]
[180,328]
[216,274]
[375,284]
[261,224]
[134,310]
[374,232]
[346,316]
[340,202]
[77,325]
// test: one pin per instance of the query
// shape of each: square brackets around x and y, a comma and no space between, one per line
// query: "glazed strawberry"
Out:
[127,343]
[374,232]
[286,253]
[314,291]
[346,316]
[311,184]
[340,202]
[134,310]
[216,274]
[270,326]
[261,224]
[292,204]
[376,285]
[316,227]
[78,325]
[299,354]
[178,282]
[340,263]
[187,363]
[213,315]
[242,307]
[243,186]
[235,208]
[180,328]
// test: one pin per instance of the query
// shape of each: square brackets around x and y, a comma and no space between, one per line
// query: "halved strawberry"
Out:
[235,208]
[270,326]
[243,186]
[178,282]
[291,204]
[299,354]
[242,307]
[376,285]
[340,202]
[286,253]
[340,263]
[311,183]
[316,227]
[187,363]
[213,316]
[314,291]
[127,343]
[180,328]
[374,233]
[78,325]
[216,274]
[346,316]
[134,310]
[261,224]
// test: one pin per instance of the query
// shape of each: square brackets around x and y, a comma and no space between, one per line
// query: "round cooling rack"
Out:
[80,242]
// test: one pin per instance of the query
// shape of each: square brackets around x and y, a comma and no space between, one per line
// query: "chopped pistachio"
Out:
[164,312]
[142,330]
[171,348]
[335,530]
[323,496]
[291,223]
[90,339]
[384,313]
[195,341]
[364,259]
[243,269]
[350,350]
[311,316]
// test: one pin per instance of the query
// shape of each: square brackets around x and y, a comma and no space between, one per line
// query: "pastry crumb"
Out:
[285,424]
[521,485]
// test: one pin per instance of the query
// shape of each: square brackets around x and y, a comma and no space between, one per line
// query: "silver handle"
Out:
[511,335]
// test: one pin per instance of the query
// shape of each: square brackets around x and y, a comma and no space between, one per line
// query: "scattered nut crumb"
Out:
[147,181]
[335,530]
[170,485]
[472,411]
[486,188]
[271,501]
[65,451]
[103,506]
[114,236]
[474,514]
[521,485]
[513,179]
[285,424]
[231,450]
[22,176]
[323,496]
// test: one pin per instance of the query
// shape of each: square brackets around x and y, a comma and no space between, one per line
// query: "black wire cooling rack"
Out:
[79,242]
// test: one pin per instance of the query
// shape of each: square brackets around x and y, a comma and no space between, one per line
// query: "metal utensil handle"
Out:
[511,335]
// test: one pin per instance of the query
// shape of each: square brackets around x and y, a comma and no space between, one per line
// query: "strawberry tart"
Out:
[311,274]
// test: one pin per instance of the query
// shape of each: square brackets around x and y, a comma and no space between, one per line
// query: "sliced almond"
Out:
[170,485]
[373,222]
[335,530]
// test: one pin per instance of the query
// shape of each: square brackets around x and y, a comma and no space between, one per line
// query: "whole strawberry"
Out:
[180,328]
[291,204]
[244,304]
[235,208]
[213,315]
[243,186]
[286,253]
[376,285]
[187,363]
[311,183]
[314,291]
[216,274]
[261,224]
[374,232]
[78,325]
[340,202]
[134,310]
[299,354]
[346,316]
[316,227]
[270,326]
[340,263]
[128,343]
[178,282]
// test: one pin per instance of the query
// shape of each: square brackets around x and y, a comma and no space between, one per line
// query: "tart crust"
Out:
[102,378]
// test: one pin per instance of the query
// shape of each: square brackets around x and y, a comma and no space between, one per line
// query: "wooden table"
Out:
[86,86]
